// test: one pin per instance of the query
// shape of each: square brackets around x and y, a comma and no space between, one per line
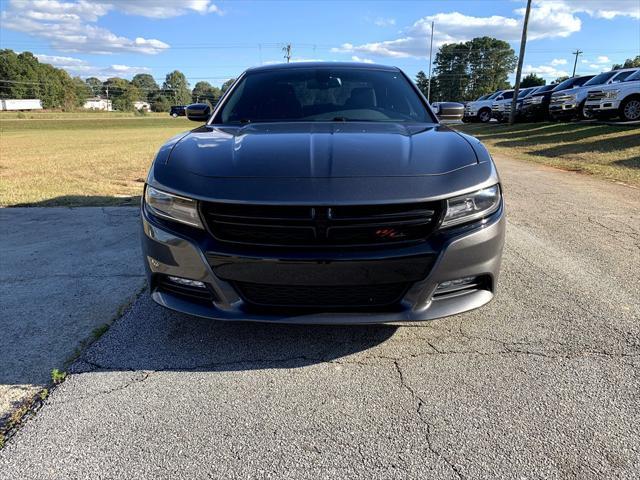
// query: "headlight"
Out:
[537,99]
[172,207]
[472,206]
[611,93]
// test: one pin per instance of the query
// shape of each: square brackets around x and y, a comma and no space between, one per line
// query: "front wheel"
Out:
[484,116]
[630,109]
[582,113]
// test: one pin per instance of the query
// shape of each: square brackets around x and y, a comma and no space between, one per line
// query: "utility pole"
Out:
[430,55]
[523,44]
[287,52]
[577,53]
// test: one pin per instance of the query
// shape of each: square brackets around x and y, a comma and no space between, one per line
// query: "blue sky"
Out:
[216,40]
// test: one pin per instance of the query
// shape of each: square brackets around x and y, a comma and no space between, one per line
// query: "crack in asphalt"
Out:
[420,402]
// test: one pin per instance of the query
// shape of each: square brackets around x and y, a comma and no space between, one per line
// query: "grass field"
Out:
[611,152]
[103,158]
[91,160]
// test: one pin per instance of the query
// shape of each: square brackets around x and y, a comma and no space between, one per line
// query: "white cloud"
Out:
[164,9]
[545,21]
[356,58]
[558,61]
[70,26]
[607,9]
[384,22]
[545,71]
[603,59]
[82,68]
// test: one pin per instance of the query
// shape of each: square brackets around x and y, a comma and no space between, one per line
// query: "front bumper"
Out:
[604,105]
[563,109]
[535,110]
[473,250]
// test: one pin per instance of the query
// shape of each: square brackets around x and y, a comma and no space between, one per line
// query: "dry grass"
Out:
[83,161]
[611,152]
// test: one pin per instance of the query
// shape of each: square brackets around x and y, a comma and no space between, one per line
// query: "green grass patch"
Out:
[607,151]
[58,376]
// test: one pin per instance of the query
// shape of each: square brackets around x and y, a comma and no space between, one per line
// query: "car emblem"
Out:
[389,233]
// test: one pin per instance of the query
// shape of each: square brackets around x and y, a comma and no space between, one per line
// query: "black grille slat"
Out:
[304,296]
[320,226]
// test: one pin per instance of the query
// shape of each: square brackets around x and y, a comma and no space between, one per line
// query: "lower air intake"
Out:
[300,296]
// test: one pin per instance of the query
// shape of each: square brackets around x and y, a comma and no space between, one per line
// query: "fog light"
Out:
[187,282]
[457,283]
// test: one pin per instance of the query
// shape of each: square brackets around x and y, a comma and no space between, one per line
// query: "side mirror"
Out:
[450,111]
[198,112]
[499,97]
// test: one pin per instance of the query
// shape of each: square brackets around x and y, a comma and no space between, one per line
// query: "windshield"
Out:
[494,95]
[483,97]
[621,77]
[525,92]
[600,79]
[635,76]
[546,88]
[568,83]
[323,94]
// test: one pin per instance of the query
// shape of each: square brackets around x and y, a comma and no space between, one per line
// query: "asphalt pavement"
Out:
[543,382]
[63,273]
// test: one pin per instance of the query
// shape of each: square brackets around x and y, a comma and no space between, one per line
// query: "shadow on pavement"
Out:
[149,337]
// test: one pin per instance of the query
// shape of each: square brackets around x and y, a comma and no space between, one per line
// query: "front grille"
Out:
[308,226]
[301,296]
[595,95]
[561,99]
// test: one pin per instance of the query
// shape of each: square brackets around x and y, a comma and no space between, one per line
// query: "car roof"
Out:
[299,65]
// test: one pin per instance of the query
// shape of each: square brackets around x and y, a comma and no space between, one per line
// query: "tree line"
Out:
[462,71]
[23,76]
[467,70]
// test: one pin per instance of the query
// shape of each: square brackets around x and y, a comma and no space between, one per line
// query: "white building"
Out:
[98,103]
[139,105]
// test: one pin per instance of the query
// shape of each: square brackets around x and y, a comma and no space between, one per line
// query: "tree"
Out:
[560,79]
[160,104]
[464,71]
[422,82]
[127,97]
[82,91]
[628,63]
[146,84]
[25,77]
[532,80]
[95,85]
[226,85]
[113,87]
[176,88]
[205,92]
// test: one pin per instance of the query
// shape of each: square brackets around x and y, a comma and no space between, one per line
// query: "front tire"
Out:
[484,115]
[630,109]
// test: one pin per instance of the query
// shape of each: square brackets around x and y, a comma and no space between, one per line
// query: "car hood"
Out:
[570,91]
[322,150]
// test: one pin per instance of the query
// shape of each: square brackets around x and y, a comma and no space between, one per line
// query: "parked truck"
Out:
[480,110]
[616,100]
[20,104]
[570,103]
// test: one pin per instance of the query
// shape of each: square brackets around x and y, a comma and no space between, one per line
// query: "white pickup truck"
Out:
[616,100]
[480,110]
